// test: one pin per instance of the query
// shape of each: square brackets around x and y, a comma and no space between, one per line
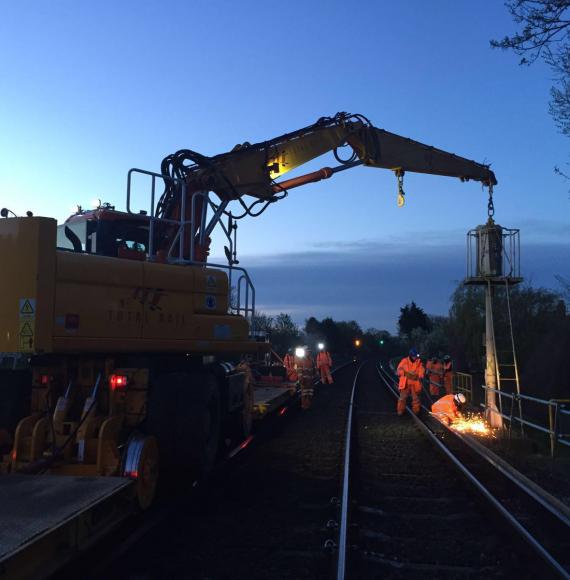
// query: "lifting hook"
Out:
[401,194]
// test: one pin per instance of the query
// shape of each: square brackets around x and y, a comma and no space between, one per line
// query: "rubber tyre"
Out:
[200,428]
[242,420]
[185,416]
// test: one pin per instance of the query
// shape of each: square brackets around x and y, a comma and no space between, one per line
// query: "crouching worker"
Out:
[448,408]
[411,372]
[305,369]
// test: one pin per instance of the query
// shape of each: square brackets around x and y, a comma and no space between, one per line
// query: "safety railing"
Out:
[557,422]
[243,302]
[497,250]
[463,383]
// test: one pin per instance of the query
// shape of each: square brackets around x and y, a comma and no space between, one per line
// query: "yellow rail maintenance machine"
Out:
[125,354]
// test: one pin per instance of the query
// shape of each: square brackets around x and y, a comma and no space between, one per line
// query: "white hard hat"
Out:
[460,398]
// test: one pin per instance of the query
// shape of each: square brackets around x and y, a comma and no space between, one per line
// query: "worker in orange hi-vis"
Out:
[448,374]
[434,374]
[305,370]
[324,364]
[447,409]
[289,364]
[411,372]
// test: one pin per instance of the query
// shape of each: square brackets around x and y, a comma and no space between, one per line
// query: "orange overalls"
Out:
[324,364]
[434,373]
[448,376]
[446,409]
[306,372]
[289,364]
[411,374]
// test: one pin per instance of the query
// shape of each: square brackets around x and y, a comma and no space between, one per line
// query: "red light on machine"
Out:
[118,382]
[45,379]
[283,411]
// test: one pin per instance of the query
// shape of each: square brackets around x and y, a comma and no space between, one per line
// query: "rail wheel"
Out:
[140,463]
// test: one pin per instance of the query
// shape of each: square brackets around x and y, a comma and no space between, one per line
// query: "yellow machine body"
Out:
[57,301]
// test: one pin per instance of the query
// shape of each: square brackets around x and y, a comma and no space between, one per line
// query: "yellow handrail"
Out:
[553,420]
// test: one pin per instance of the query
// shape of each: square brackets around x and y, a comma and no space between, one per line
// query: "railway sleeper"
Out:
[432,568]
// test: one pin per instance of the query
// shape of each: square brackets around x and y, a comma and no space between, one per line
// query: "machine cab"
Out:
[106,232]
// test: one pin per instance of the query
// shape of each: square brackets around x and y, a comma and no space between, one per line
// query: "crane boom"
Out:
[380,148]
[252,169]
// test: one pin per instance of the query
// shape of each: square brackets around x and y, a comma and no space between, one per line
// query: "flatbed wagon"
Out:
[45,520]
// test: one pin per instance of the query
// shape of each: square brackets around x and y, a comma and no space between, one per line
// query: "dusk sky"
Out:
[89,90]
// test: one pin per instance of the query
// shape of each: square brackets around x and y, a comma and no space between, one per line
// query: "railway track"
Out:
[418,502]
[407,510]
[263,513]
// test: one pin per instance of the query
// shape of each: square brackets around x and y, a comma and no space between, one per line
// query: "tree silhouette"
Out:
[545,33]
[411,317]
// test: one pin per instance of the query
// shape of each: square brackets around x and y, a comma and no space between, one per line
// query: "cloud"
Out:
[535,230]
[370,284]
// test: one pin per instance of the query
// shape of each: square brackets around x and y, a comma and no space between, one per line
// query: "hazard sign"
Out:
[27,311]
[26,329]
[27,306]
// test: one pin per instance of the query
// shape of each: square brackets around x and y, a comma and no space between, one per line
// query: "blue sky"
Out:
[89,90]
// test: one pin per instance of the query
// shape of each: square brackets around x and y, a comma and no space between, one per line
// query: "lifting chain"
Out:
[401,195]
[490,204]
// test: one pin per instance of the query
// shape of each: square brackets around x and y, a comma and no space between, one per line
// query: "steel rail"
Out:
[142,524]
[524,484]
[510,519]
[343,528]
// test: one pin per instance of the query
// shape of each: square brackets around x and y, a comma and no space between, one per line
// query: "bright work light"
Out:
[321,345]
[299,352]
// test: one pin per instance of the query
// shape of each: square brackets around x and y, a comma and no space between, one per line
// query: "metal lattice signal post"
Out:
[493,260]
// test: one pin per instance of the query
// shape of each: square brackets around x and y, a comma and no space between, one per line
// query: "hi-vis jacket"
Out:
[411,374]
[304,366]
[446,408]
[435,372]
[289,364]
[324,358]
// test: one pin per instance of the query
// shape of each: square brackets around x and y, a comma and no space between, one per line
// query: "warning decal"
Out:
[26,329]
[27,306]
[27,324]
